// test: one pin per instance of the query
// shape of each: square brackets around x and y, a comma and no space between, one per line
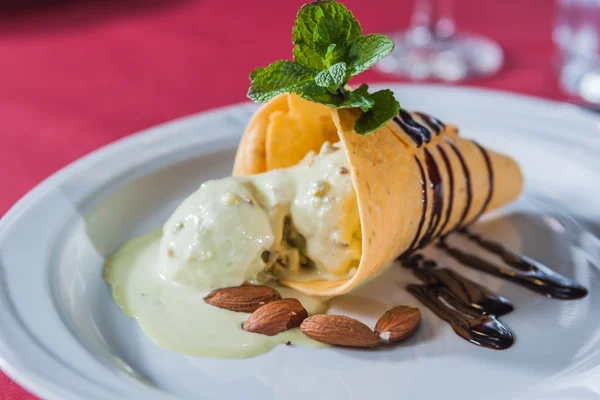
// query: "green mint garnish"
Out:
[329,49]
[333,77]
[385,108]
[280,77]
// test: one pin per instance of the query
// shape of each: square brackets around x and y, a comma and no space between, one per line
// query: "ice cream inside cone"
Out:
[415,178]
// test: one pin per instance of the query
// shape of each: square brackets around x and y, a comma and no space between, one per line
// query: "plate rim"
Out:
[12,365]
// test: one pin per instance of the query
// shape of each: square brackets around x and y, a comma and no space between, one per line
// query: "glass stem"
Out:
[445,26]
[432,19]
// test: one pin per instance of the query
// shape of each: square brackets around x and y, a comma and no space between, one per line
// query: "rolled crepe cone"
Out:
[409,194]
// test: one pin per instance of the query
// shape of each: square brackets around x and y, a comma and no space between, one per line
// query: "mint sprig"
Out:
[329,49]
[280,77]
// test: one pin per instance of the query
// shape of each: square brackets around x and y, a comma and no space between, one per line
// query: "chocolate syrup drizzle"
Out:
[437,187]
[450,186]
[417,132]
[525,272]
[424,212]
[433,123]
[488,164]
[469,308]
[469,189]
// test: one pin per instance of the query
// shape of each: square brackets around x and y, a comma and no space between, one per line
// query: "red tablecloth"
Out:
[75,75]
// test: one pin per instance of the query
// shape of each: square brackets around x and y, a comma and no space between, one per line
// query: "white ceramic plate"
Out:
[62,337]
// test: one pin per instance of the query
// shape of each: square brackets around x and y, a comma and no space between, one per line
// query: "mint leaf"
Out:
[328,32]
[319,94]
[359,97]
[279,77]
[385,108]
[367,50]
[318,25]
[341,99]
[334,54]
[333,77]
[254,73]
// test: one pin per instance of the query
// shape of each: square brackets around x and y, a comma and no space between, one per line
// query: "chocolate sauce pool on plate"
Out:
[469,308]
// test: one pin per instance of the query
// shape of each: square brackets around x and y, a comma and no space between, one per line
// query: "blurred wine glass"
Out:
[432,49]
[577,35]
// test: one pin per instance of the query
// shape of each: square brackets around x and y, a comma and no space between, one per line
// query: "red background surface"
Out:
[76,75]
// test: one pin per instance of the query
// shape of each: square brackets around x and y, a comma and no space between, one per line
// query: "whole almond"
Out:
[398,323]
[245,298]
[276,317]
[339,330]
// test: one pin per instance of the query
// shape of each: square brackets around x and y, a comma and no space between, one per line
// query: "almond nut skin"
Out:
[276,317]
[339,330]
[245,298]
[398,323]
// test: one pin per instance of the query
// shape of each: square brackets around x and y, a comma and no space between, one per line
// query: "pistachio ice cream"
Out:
[299,223]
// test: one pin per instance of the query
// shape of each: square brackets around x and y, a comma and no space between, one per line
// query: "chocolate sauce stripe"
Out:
[410,121]
[434,124]
[467,306]
[457,304]
[484,330]
[437,203]
[414,130]
[414,136]
[448,166]
[469,189]
[490,170]
[530,273]
[462,286]
[431,294]
[463,294]
[466,291]
[417,236]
